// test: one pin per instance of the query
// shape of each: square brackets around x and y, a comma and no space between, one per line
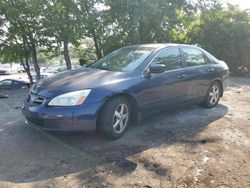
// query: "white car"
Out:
[42,75]
[9,69]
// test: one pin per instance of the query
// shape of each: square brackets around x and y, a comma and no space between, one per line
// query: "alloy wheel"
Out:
[120,118]
[214,94]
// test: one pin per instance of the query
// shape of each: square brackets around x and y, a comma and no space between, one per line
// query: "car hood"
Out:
[83,78]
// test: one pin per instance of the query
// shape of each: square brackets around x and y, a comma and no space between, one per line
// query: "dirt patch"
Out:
[186,147]
[10,107]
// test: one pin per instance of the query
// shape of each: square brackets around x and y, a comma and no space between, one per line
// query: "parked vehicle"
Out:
[13,84]
[55,70]
[21,69]
[60,69]
[126,85]
[3,96]
[9,68]
[75,67]
[43,69]
[42,76]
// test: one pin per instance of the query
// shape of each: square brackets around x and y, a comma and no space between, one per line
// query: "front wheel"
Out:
[115,117]
[213,95]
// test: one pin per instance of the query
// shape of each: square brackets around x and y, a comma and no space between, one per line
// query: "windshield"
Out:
[124,59]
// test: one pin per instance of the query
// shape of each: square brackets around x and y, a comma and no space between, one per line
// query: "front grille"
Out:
[35,99]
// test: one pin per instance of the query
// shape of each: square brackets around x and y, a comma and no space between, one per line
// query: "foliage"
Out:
[225,33]
[45,54]
[62,24]
[85,52]
[22,30]
[142,21]
[38,30]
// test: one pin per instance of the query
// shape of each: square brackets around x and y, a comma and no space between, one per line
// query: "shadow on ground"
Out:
[28,155]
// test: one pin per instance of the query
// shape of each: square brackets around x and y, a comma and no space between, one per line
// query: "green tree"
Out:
[46,53]
[225,32]
[22,20]
[86,52]
[144,21]
[93,23]
[89,29]
[63,25]
[14,51]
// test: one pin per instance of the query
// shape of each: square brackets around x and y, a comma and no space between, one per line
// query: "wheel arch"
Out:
[220,84]
[131,99]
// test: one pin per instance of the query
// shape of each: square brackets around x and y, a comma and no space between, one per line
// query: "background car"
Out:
[3,96]
[13,84]
[125,86]
[42,75]
[9,68]
[55,70]
[75,67]
[21,69]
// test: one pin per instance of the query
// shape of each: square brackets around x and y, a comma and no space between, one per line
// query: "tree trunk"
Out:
[26,67]
[33,54]
[26,57]
[92,31]
[97,47]
[66,54]
[140,33]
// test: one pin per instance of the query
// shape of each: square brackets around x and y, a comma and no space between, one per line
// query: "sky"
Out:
[244,4]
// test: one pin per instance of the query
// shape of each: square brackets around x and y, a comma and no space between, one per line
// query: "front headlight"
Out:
[70,99]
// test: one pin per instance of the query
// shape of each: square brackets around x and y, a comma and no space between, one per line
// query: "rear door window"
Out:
[194,57]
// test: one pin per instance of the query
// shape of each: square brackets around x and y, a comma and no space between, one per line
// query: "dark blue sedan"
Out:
[124,86]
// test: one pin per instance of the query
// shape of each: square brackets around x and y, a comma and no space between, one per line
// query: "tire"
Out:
[213,95]
[114,117]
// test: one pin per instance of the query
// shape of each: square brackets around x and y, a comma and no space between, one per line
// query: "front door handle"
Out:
[211,70]
[181,76]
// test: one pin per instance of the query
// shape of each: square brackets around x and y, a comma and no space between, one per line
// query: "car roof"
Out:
[162,45]
[13,80]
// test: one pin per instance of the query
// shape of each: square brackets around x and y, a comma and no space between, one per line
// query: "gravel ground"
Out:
[186,147]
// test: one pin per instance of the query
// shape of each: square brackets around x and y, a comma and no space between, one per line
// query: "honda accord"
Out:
[125,86]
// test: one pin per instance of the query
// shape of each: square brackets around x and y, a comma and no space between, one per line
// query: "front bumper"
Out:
[225,81]
[79,118]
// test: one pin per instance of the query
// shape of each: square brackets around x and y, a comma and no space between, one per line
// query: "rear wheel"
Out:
[213,95]
[115,117]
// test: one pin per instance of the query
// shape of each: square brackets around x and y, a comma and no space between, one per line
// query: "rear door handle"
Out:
[211,70]
[181,76]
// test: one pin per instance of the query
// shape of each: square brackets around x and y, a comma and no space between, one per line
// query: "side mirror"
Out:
[157,68]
